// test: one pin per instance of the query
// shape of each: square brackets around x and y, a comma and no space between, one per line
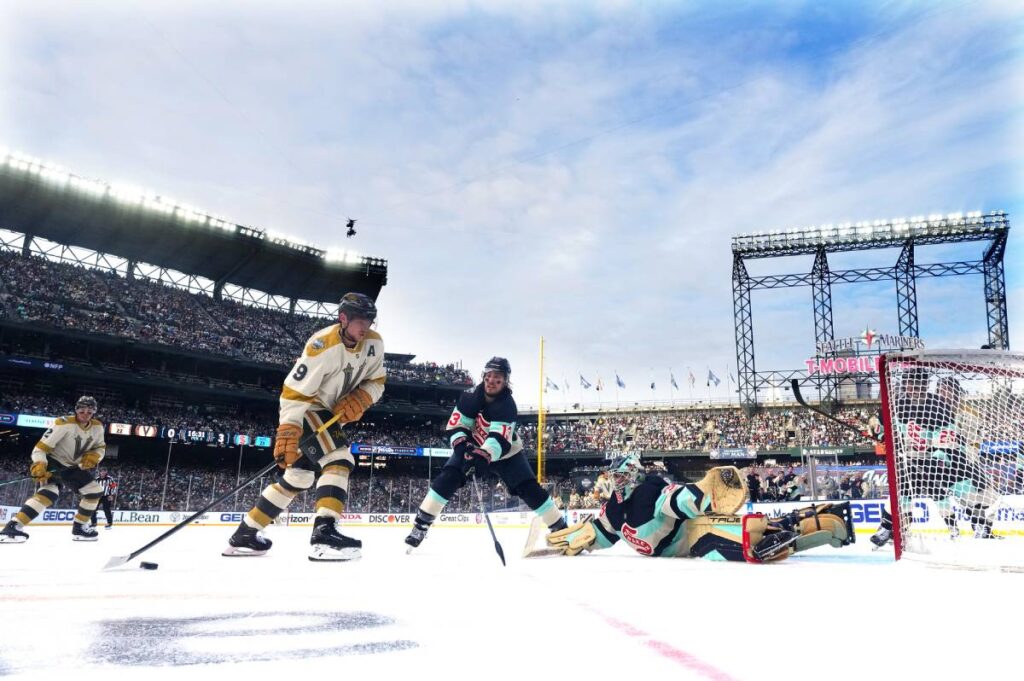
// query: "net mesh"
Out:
[955,435]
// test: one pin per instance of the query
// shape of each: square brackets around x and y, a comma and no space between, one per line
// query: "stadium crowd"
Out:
[700,429]
[67,296]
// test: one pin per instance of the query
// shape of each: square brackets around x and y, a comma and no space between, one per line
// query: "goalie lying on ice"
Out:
[698,520]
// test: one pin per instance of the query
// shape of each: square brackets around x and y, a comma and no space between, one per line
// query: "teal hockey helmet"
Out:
[624,473]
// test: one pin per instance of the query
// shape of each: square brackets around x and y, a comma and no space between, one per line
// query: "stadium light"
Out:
[149,200]
[895,230]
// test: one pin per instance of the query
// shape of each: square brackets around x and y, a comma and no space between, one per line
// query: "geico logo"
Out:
[231,517]
[58,515]
[920,513]
[866,512]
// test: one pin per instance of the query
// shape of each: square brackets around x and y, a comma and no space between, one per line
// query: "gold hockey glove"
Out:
[89,460]
[574,539]
[286,446]
[351,407]
[39,473]
[726,488]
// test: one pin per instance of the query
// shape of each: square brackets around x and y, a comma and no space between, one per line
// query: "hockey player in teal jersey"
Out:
[698,520]
[484,438]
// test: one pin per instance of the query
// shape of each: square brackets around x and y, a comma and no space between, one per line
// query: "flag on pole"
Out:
[691,377]
[566,383]
[652,385]
[672,377]
[713,379]
[600,384]
[618,381]
[731,379]
[548,383]
[584,382]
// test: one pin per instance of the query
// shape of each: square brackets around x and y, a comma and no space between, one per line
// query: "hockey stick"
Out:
[121,560]
[480,499]
[28,477]
[800,398]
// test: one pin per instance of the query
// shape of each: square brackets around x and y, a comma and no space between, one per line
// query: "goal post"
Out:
[954,441]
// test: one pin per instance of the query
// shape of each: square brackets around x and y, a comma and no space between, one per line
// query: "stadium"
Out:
[419,519]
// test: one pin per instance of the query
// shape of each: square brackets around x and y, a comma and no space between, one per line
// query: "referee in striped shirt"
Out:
[109,492]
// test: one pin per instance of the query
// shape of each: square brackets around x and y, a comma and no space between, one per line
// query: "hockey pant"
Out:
[326,460]
[74,477]
[515,472]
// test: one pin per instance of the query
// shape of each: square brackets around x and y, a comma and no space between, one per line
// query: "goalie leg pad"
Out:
[825,524]
[726,487]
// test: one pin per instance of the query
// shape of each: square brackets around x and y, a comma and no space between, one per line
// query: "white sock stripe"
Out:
[333,479]
[273,495]
[35,505]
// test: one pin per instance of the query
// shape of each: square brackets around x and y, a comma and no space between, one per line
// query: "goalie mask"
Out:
[624,474]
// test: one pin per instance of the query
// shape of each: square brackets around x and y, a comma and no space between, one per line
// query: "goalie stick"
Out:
[800,398]
[121,560]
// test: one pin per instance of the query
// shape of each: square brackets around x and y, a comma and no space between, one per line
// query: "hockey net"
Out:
[954,436]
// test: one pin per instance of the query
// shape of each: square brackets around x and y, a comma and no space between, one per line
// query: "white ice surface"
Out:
[451,611]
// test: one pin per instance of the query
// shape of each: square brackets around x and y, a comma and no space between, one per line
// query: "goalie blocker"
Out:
[753,537]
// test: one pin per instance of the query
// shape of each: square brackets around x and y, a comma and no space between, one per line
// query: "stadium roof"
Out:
[849,236]
[43,200]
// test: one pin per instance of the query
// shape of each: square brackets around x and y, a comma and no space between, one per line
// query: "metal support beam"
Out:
[821,292]
[906,291]
[744,334]
[995,295]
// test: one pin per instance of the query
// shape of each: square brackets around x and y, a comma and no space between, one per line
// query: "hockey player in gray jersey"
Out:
[65,456]
[340,373]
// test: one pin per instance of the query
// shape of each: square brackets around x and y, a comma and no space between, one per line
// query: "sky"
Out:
[571,170]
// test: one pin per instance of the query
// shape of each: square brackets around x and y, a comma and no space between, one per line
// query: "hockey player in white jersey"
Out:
[341,372]
[67,454]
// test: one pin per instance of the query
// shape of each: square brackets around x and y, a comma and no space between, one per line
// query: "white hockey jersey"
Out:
[327,371]
[66,441]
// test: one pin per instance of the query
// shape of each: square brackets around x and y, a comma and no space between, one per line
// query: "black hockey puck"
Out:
[148,566]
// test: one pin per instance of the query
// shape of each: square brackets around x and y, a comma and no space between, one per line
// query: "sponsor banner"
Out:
[994,448]
[734,453]
[582,515]
[443,453]
[388,450]
[925,515]
[35,421]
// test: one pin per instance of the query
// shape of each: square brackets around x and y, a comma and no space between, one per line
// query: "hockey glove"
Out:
[39,473]
[475,459]
[89,460]
[351,407]
[286,446]
[574,539]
